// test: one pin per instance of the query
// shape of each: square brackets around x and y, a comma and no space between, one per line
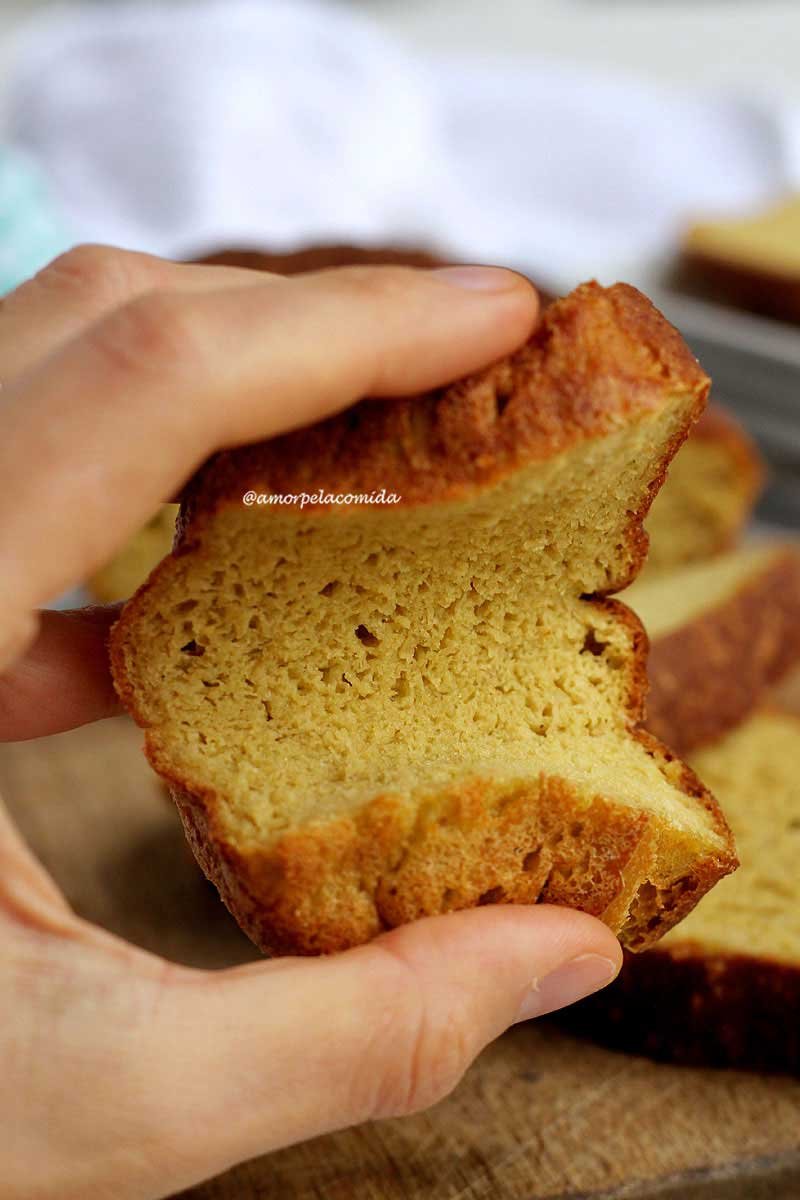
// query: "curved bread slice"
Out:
[721,634]
[707,497]
[369,713]
[724,988]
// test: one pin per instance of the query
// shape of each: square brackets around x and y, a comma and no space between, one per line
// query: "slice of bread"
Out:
[724,988]
[750,262]
[712,486]
[372,713]
[721,634]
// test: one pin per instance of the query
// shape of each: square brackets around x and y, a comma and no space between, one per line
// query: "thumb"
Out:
[272,1053]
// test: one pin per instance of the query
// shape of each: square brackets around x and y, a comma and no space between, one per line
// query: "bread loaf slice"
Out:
[721,634]
[723,989]
[369,713]
[712,486]
[750,261]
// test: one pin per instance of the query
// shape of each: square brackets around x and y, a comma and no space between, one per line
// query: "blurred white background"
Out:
[567,137]
[756,42]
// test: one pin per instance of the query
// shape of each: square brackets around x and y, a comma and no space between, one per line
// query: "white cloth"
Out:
[175,127]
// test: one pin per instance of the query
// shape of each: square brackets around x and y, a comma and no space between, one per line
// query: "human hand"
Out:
[123,1075]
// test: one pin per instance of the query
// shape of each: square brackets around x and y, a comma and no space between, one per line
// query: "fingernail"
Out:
[570,982]
[479,279]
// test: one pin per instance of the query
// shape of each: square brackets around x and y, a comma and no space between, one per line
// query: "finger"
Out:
[300,1047]
[83,284]
[111,423]
[64,678]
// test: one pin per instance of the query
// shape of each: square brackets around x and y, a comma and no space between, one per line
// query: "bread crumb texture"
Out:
[370,714]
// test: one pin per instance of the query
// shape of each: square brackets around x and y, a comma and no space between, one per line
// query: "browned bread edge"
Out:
[708,674]
[690,1006]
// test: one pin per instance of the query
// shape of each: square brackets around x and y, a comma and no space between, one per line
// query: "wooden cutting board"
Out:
[540,1114]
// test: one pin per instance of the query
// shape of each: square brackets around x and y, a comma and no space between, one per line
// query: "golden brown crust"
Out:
[335,885]
[770,293]
[600,359]
[688,1005]
[706,676]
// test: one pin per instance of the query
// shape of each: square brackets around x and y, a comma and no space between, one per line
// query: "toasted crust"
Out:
[684,1004]
[386,873]
[337,883]
[706,676]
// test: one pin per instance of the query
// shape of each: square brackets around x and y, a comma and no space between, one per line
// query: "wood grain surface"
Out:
[540,1115]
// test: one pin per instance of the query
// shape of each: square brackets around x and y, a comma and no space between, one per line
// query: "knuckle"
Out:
[155,332]
[94,273]
[426,1051]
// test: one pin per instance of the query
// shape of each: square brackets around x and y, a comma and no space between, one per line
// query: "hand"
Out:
[123,1075]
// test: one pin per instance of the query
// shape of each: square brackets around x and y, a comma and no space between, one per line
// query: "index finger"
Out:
[81,286]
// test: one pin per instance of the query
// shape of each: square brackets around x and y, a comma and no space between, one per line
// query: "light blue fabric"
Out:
[31,230]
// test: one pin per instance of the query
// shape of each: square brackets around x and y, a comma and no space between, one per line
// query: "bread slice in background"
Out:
[750,261]
[708,496]
[722,633]
[723,989]
[127,570]
[373,713]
